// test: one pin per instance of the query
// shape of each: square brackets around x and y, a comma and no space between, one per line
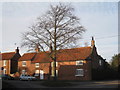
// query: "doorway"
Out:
[41,74]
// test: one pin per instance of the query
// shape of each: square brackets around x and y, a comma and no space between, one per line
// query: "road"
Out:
[86,84]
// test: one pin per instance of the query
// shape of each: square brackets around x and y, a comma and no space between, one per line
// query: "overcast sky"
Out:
[100,20]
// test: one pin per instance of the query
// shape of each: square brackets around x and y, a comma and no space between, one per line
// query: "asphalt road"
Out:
[37,84]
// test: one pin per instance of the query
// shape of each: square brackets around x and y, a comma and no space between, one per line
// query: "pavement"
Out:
[78,84]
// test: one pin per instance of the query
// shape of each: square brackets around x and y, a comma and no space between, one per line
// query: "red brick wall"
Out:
[0,67]
[46,69]
[30,68]
[67,71]
[14,63]
[95,58]
[7,67]
[11,65]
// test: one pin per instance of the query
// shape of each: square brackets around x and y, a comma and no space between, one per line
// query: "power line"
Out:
[103,37]
[108,37]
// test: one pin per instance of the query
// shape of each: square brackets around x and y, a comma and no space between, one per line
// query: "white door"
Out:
[41,74]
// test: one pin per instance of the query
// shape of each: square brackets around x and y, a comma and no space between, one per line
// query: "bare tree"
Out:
[56,29]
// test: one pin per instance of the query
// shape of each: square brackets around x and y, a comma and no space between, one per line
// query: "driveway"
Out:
[85,84]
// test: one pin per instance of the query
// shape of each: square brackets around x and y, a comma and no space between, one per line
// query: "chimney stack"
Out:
[92,41]
[37,49]
[51,47]
[17,50]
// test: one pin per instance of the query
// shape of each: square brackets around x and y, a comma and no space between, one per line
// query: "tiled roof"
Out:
[7,56]
[27,56]
[73,54]
[42,57]
[62,55]
[65,55]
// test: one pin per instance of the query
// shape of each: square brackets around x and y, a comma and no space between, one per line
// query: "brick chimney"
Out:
[92,41]
[51,48]
[17,50]
[37,49]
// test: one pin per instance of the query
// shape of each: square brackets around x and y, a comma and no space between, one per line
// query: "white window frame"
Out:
[4,71]
[23,64]
[4,62]
[56,64]
[37,65]
[79,74]
[56,72]
[37,72]
[52,64]
[23,71]
[80,62]
[52,73]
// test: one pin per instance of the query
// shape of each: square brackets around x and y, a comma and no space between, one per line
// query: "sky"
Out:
[99,18]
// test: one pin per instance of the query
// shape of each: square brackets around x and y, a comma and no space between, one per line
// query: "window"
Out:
[56,72]
[100,62]
[4,71]
[36,65]
[4,63]
[23,72]
[24,63]
[56,64]
[79,62]
[37,72]
[52,63]
[79,72]
[52,73]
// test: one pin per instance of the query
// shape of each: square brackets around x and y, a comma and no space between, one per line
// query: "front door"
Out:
[41,74]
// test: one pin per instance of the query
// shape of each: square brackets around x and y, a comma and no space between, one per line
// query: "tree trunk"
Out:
[55,47]
[55,77]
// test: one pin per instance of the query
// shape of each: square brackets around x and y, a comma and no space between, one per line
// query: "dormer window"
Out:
[23,63]
[80,62]
[36,65]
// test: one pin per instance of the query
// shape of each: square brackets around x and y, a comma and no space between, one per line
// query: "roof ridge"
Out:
[29,52]
[76,48]
[60,49]
[7,52]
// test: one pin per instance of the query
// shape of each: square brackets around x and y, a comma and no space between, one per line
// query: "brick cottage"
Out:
[72,64]
[9,62]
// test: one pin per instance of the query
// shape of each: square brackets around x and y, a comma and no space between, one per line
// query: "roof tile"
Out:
[62,55]
[7,56]
[27,56]
[65,55]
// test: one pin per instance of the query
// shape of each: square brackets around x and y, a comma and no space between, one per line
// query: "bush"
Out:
[17,74]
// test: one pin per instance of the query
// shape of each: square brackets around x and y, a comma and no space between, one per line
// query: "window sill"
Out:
[36,67]
[24,66]
[36,75]
[79,65]
[79,75]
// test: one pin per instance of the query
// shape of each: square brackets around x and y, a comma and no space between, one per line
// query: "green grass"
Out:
[56,83]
